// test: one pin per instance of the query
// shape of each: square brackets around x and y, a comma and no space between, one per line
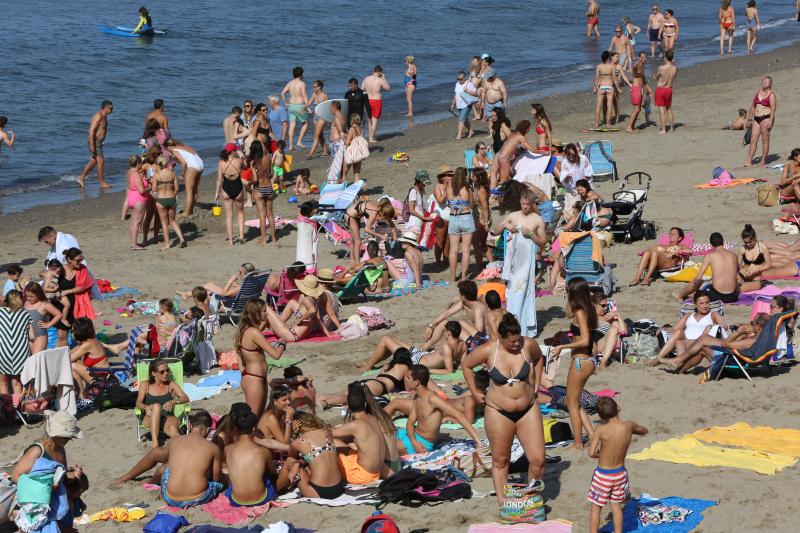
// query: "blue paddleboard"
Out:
[123,31]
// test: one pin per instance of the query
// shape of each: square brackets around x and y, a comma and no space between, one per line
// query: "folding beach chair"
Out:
[252,286]
[361,281]
[176,374]
[600,154]
[124,371]
[756,357]
[287,290]
[339,196]
[578,261]
[337,235]
[469,153]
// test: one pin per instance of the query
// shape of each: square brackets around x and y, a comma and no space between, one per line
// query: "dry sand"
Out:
[706,97]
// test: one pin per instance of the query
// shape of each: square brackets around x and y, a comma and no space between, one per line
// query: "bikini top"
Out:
[316,451]
[539,130]
[759,260]
[576,331]
[762,101]
[500,379]
[669,24]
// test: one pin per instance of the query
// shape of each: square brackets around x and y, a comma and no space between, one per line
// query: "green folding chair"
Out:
[365,278]
[176,374]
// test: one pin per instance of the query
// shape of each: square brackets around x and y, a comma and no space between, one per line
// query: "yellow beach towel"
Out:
[688,450]
[761,438]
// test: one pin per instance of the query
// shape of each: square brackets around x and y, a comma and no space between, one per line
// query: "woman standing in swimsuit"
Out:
[312,443]
[501,166]
[317,97]
[583,326]
[191,171]
[462,222]
[476,80]
[253,349]
[761,118]
[44,315]
[165,185]
[754,260]
[260,131]
[138,197]
[619,74]
[371,212]
[410,83]
[544,129]
[603,88]
[89,353]
[515,368]
[670,30]
[229,181]
[158,396]
[727,24]
[753,25]
[260,164]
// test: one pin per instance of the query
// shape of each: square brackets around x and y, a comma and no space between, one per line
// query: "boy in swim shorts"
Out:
[609,445]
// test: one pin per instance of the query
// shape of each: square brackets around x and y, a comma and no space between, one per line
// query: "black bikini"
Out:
[397,383]
[500,379]
[759,260]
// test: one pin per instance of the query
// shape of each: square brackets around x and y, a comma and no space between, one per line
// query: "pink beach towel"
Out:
[548,526]
[606,392]
[222,510]
[280,222]
[320,337]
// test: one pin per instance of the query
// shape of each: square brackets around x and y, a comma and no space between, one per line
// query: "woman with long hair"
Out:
[191,171]
[229,182]
[410,84]
[462,222]
[165,185]
[252,348]
[312,443]
[43,314]
[583,327]
[138,198]
[483,218]
[89,353]
[754,261]
[761,118]
[260,163]
[501,167]
[371,213]
[276,422]
[515,366]
[354,131]
[158,396]
[544,129]
[75,283]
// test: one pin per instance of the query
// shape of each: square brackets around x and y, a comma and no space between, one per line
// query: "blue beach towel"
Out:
[631,521]
[119,293]
[234,377]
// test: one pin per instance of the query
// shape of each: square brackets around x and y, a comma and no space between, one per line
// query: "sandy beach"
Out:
[706,97]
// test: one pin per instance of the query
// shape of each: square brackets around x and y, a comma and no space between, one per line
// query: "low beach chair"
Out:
[578,257]
[469,153]
[124,371]
[337,235]
[176,373]
[339,196]
[601,157]
[360,282]
[756,357]
[287,290]
[252,286]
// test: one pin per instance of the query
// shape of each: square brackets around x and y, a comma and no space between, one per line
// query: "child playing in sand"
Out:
[609,445]
[54,270]
[739,122]
[302,185]
[278,160]
[166,321]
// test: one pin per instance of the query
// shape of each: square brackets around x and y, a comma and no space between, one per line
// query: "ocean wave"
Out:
[38,186]
[742,30]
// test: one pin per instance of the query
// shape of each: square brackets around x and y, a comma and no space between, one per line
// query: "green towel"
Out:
[373,274]
[458,375]
[478,424]
[280,363]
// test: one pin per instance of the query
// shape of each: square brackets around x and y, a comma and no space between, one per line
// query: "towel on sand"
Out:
[760,438]
[728,184]
[478,424]
[770,291]
[221,509]
[320,337]
[119,292]
[631,523]
[689,450]
[196,393]
[548,526]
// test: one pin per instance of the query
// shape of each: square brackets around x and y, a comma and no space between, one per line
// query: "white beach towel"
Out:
[52,368]
[519,271]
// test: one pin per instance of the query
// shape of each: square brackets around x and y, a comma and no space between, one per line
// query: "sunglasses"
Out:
[482,148]
[163,371]
[248,106]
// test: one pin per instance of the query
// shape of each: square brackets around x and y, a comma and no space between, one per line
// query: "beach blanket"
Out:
[319,337]
[197,392]
[221,510]
[280,222]
[729,184]
[548,526]
[530,164]
[477,424]
[222,378]
[119,292]
[519,272]
[632,523]
[770,291]
[689,450]
[760,438]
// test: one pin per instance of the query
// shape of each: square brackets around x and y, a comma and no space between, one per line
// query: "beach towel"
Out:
[360,496]
[631,522]
[566,238]
[548,526]
[770,291]
[307,241]
[119,292]
[727,184]
[477,424]
[221,510]
[280,222]
[83,302]
[519,272]
[224,377]
[196,392]
[689,450]
[118,514]
[530,164]
[760,438]
[319,337]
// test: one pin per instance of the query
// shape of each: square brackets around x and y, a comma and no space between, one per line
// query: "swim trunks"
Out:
[98,149]
[297,113]
[636,95]
[592,20]
[206,496]
[663,97]
[354,472]
[375,108]
[608,486]
[714,295]
[417,355]
[402,436]
[496,105]
[654,35]
[474,341]
[269,495]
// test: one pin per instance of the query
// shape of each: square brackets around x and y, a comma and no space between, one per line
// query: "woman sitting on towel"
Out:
[660,257]
[754,261]
[313,446]
[691,327]
[790,177]
[89,353]
[312,313]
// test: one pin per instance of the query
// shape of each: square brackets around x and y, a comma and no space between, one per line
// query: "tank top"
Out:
[694,328]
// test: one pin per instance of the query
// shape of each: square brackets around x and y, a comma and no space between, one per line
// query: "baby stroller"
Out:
[627,206]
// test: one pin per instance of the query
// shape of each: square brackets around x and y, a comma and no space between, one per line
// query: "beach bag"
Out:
[379,523]
[427,237]
[357,151]
[477,464]
[640,347]
[521,505]
[115,397]
[372,317]
[767,195]
[748,134]
[608,281]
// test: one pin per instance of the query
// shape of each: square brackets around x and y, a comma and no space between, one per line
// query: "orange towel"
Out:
[734,183]
[566,238]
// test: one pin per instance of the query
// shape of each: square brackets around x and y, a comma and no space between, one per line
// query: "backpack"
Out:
[379,523]
[413,488]
[115,397]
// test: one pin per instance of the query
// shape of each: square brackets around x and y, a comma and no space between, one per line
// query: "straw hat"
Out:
[310,286]
[325,275]
[62,424]
[408,238]
[556,142]
[445,169]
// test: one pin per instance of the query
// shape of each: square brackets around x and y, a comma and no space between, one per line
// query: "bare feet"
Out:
[104,185]
[81,183]
[578,446]
[183,244]
[633,283]
[470,134]
[301,145]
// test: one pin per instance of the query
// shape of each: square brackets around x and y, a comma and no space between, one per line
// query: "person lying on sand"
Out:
[390,380]
[231,287]
[443,360]
[737,123]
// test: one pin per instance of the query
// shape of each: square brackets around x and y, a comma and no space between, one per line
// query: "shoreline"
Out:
[557,104]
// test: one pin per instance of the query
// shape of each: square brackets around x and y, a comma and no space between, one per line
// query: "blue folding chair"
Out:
[601,157]
[578,261]
[469,153]
[252,286]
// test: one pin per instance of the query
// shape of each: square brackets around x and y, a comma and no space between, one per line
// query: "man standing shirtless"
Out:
[639,90]
[232,127]
[593,18]
[724,265]
[336,143]
[158,115]
[297,106]
[621,45]
[654,23]
[97,134]
[373,85]
[665,77]
[494,90]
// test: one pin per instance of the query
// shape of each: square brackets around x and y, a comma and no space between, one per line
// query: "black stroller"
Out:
[627,206]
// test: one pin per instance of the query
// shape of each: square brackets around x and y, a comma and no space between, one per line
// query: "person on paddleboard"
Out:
[145,26]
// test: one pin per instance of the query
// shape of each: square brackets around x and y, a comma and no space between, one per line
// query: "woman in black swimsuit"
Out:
[371,212]
[260,162]
[391,379]
[157,398]
[754,260]
[515,368]
[229,181]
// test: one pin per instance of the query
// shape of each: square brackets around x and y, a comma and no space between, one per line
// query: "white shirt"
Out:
[578,171]
[64,241]
[414,221]
[464,99]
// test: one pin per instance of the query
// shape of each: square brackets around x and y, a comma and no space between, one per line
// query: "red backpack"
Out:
[379,523]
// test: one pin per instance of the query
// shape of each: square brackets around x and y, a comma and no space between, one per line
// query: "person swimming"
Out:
[145,26]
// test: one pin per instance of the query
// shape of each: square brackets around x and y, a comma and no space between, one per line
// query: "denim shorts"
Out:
[460,224]
[463,113]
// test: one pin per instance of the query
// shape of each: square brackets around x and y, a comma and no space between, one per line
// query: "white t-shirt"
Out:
[414,222]
[9,286]
[463,99]
[578,171]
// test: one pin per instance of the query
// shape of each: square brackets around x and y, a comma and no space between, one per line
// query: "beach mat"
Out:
[478,424]
[770,291]
[280,222]
[733,183]
[782,441]
[631,522]
[119,293]
[222,511]
[321,337]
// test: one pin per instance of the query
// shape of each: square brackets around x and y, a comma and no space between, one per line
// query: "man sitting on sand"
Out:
[425,420]
[192,460]
[443,360]
[250,466]
[468,302]
[724,265]
[465,402]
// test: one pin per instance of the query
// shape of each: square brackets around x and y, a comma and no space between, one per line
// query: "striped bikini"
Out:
[14,347]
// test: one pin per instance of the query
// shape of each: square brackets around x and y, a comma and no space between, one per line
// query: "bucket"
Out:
[216,210]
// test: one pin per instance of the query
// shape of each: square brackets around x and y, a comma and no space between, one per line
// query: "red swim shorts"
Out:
[664,97]
[608,486]
[375,108]
[592,21]
[636,95]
